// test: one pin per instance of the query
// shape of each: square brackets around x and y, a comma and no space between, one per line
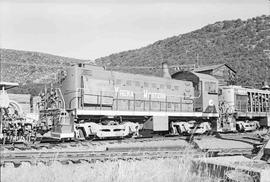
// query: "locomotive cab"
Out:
[205,90]
[205,99]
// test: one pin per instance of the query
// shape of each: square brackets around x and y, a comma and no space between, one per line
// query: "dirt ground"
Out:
[216,143]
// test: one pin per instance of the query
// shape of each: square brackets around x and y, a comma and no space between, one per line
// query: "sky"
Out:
[89,29]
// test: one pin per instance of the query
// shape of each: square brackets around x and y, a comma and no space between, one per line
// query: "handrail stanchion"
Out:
[117,95]
[149,102]
[128,102]
[82,98]
[166,103]
[134,97]
[143,105]
[100,100]
[181,104]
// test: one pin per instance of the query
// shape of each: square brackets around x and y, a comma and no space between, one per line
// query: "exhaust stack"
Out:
[165,70]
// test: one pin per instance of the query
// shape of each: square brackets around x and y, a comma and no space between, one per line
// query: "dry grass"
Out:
[163,170]
[159,170]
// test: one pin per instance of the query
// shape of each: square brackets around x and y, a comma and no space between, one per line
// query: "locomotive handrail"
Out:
[179,96]
[62,98]
[149,101]
[73,98]
[113,92]
[263,109]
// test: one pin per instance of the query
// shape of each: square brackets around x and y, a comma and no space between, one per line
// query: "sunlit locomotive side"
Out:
[93,96]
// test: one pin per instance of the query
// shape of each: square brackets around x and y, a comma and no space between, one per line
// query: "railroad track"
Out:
[75,152]
[134,153]
[90,143]
[75,144]
[67,157]
[86,143]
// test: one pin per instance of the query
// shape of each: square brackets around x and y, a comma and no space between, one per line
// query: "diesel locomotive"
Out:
[91,97]
[90,101]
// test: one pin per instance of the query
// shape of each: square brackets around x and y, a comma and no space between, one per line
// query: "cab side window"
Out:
[210,87]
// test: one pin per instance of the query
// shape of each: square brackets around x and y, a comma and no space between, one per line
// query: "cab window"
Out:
[210,87]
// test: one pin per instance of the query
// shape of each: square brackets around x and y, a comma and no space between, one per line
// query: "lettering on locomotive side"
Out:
[146,94]
[153,95]
[124,93]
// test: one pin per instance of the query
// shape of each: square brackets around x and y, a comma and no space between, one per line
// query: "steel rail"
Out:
[73,144]
[91,156]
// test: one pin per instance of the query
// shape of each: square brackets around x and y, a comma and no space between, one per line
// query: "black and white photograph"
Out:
[134,90]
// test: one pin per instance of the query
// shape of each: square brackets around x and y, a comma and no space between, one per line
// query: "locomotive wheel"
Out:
[91,137]
[81,135]
[178,130]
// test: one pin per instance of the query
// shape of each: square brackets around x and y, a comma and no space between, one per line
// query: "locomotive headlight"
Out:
[211,102]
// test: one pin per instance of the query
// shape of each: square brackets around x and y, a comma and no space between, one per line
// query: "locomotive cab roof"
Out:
[193,77]
[8,85]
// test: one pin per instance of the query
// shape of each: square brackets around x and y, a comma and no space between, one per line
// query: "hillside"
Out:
[31,68]
[238,43]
